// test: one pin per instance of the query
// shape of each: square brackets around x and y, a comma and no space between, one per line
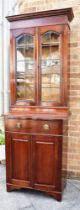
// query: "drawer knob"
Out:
[46,127]
[18,125]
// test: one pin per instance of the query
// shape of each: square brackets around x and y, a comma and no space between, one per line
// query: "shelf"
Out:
[25,45]
[26,83]
[58,87]
[26,75]
[50,59]
[51,45]
[32,45]
[20,72]
[26,60]
[51,70]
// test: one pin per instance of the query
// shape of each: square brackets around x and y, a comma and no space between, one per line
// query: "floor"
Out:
[32,200]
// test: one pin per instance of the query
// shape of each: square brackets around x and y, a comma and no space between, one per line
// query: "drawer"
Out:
[34,126]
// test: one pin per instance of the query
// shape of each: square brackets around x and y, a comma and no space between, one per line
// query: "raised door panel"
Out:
[20,159]
[45,162]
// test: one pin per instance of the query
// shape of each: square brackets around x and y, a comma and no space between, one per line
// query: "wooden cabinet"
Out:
[35,125]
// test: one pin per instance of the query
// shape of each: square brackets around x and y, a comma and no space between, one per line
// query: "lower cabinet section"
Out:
[34,161]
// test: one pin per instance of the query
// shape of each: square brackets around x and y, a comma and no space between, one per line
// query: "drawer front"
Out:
[34,126]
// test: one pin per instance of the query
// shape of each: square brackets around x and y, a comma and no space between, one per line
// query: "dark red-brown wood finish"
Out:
[35,127]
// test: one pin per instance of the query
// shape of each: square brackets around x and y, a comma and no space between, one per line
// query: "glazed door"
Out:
[23,66]
[51,62]
[45,162]
[18,159]
[38,60]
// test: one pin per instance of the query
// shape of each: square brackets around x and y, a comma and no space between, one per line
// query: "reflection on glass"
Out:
[29,53]
[29,79]
[28,39]
[54,80]
[25,66]
[50,37]
[50,94]
[29,65]
[24,39]
[20,40]
[20,89]
[20,54]
[20,66]
[29,92]
[50,66]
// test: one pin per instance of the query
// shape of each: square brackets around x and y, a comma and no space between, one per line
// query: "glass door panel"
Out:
[25,67]
[50,94]
[20,88]
[50,67]
[29,83]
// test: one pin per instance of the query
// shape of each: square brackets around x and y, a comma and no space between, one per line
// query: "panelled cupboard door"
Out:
[19,159]
[45,161]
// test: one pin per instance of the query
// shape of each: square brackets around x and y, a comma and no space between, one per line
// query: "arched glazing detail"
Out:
[50,67]
[25,67]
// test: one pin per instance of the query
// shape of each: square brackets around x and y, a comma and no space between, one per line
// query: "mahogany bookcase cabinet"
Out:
[35,125]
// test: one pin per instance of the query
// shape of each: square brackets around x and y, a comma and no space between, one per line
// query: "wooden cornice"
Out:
[59,12]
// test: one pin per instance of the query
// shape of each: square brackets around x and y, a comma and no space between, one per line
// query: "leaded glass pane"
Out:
[50,66]
[25,66]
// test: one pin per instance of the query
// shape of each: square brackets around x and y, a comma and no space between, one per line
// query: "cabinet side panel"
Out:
[8,157]
[64,152]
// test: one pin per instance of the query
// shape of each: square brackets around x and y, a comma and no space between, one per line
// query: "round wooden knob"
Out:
[46,127]
[18,125]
